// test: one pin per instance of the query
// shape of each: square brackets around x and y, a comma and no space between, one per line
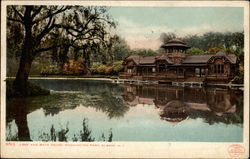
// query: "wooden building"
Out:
[174,65]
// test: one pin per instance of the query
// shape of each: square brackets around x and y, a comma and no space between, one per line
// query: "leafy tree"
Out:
[214,50]
[83,27]
[165,37]
[143,52]
[195,51]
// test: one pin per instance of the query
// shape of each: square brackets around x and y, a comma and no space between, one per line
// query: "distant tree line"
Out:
[211,42]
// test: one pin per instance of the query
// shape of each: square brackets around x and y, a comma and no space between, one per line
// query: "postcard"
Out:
[124,79]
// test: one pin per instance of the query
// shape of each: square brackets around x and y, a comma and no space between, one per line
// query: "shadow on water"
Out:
[213,105]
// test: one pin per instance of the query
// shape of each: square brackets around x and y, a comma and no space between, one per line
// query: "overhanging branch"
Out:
[45,49]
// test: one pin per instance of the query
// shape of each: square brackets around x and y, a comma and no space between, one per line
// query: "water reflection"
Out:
[59,116]
[179,103]
[18,111]
[103,96]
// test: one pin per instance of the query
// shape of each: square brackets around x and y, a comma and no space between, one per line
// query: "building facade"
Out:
[174,65]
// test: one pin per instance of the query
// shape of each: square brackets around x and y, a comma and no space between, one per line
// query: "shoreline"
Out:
[70,78]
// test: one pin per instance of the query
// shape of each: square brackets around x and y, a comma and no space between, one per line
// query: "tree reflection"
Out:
[177,103]
[84,135]
[68,94]
[17,110]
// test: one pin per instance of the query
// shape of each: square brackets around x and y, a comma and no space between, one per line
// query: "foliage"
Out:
[214,50]
[195,51]
[47,28]
[240,77]
[143,52]
[117,67]
[75,67]
[102,69]
[216,39]
[46,67]
[112,69]
[165,37]
[95,67]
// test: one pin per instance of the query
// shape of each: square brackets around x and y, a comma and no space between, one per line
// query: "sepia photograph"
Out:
[119,79]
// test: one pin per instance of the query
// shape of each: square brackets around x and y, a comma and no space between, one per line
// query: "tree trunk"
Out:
[21,81]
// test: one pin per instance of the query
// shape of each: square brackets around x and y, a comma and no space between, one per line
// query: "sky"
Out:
[141,26]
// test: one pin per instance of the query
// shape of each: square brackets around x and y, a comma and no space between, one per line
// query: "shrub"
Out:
[117,66]
[75,67]
[95,67]
[102,69]
[109,70]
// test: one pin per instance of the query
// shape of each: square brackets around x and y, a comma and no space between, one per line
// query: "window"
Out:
[153,69]
[162,68]
[129,70]
[197,72]
[219,69]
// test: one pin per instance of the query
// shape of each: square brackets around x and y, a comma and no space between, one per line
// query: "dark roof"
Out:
[142,60]
[164,57]
[204,58]
[197,59]
[175,43]
[191,59]
[231,57]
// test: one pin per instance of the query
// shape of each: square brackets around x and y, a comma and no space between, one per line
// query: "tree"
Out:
[195,51]
[143,52]
[81,26]
[119,48]
[165,37]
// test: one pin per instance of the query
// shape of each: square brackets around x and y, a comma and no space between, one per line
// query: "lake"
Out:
[95,110]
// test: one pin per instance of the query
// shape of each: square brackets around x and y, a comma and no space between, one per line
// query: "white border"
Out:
[130,149]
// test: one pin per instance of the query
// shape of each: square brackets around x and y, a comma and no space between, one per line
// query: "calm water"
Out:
[83,110]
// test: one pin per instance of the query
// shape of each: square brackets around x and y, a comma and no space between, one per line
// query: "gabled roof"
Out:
[147,60]
[142,60]
[197,59]
[205,58]
[231,57]
[164,57]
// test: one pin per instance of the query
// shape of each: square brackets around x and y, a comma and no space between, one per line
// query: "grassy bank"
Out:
[32,90]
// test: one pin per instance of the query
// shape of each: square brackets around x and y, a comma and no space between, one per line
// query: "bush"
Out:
[117,67]
[102,69]
[95,67]
[75,67]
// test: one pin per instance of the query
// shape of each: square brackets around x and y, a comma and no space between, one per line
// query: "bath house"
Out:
[174,65]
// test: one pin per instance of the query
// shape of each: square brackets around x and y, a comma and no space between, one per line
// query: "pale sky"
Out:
[141,26]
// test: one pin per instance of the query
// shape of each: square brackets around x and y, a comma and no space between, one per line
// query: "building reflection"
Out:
[179,103]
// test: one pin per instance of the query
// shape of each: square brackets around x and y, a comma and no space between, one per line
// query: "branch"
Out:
[46,30]
[15,20]
[45,49]
[51,14]
[18,13]
[36,12]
